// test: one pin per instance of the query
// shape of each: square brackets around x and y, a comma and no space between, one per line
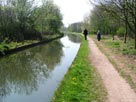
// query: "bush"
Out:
[120,32]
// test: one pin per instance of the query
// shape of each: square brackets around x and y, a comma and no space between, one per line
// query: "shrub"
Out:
[120,32]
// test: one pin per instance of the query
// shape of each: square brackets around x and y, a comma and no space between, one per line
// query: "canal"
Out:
[34,74]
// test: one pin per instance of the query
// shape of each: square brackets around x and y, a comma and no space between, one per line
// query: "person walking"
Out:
[85,33]
[98,35]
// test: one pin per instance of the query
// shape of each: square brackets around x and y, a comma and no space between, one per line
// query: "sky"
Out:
[73,10]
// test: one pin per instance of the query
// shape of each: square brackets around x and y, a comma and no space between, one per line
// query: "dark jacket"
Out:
[85,32]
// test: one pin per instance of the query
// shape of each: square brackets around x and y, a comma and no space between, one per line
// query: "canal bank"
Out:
[82,83]
[20,48]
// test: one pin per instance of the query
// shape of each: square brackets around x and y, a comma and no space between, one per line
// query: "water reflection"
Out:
[22,72]
[74,38]
[34,74]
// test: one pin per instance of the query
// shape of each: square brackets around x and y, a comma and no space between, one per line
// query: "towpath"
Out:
[117,88]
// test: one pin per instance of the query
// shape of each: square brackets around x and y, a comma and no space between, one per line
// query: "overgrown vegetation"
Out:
[119,46]
[24,20]
[12,45]
[81,83]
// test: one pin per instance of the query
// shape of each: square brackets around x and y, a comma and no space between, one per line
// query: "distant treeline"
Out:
[75,27]
[25,19]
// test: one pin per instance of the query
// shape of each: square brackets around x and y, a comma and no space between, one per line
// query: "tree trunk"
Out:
[135,40]
[135,33]
[126,19]
[125,36]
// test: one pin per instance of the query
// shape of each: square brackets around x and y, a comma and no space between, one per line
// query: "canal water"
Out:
[34,74]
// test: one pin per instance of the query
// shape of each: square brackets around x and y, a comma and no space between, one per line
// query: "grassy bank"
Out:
[119,46]
[13,45]
[81,83]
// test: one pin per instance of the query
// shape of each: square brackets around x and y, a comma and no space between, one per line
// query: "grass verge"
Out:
[81,83]
[118,45]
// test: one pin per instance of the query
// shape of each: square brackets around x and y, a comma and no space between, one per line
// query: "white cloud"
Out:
[73,10]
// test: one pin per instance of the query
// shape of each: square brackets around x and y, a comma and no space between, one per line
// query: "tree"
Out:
[23,19]
[124,10]
[86,23]
[50,18]
[75,27]
[101,20]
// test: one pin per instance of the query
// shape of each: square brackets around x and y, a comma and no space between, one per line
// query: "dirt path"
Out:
[118,89]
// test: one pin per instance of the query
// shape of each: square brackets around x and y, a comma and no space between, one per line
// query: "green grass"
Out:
[81,83]
[118,45]
[12,45]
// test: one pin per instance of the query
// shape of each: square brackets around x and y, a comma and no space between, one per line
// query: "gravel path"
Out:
[118,89]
